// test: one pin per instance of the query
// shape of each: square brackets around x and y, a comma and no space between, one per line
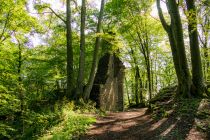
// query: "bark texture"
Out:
[137,75]
[95,54]
[70,70]
[175,34]
[80,79]
[197,74]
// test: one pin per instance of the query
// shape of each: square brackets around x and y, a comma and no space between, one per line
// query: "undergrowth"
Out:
[188,113]
[62,120]
[72,125]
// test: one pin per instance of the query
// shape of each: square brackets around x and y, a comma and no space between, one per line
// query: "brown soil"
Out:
[136,124]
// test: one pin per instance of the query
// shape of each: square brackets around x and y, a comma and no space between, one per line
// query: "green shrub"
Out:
[36,124]
[88,107]
[5,130]
[71,126]
[9,106]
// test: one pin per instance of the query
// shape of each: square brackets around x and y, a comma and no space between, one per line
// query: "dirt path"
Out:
[135,124]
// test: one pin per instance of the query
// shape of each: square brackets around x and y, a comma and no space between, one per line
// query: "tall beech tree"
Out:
[135,26]
[197,74]
[203,14]
[70,70]
[95,53]
[80,78]
[136,77]
[175,34]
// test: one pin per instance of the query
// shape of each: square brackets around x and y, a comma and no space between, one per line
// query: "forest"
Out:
[104,69]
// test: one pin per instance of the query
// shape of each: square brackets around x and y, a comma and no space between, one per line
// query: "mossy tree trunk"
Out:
[175,34]
[197,74]
[204,42]
[136,77]
[176,25]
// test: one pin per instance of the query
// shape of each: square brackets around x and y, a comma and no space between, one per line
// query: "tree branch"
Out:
[61,18]
[5,26]
[199,36]
[154,18]
[162,19]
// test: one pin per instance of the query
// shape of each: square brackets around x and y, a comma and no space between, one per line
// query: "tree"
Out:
[80,79]
[142,36]
[70,69]
[197,74]
[95,54]
[175,34]
[133,20]
[203,26]
[136,77]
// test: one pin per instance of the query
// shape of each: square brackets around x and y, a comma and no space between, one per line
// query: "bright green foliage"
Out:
[71,126]
[42,71]
[135,25]
[9,104]
[33,62]
[16,24]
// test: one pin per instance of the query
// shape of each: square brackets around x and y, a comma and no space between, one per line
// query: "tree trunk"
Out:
[205,46]
[95,54]
[137,85]
[197,75]
[175,57]
[141,90]
[69,69]
[80,79]
[152,75]
[20,90]
[149,79]
[156,73]
[137,75]
[133,91]
[175,34]
[148,65]
[126,86]
[144,48]
[176,26]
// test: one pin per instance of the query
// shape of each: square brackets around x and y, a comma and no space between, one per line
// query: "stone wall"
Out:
[108,84]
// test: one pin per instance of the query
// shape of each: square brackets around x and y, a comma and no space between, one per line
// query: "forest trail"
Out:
[137,124]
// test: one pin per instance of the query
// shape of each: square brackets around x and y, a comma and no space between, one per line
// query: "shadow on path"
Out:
[136,124]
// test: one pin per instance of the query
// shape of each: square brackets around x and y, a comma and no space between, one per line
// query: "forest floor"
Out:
[138,124]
